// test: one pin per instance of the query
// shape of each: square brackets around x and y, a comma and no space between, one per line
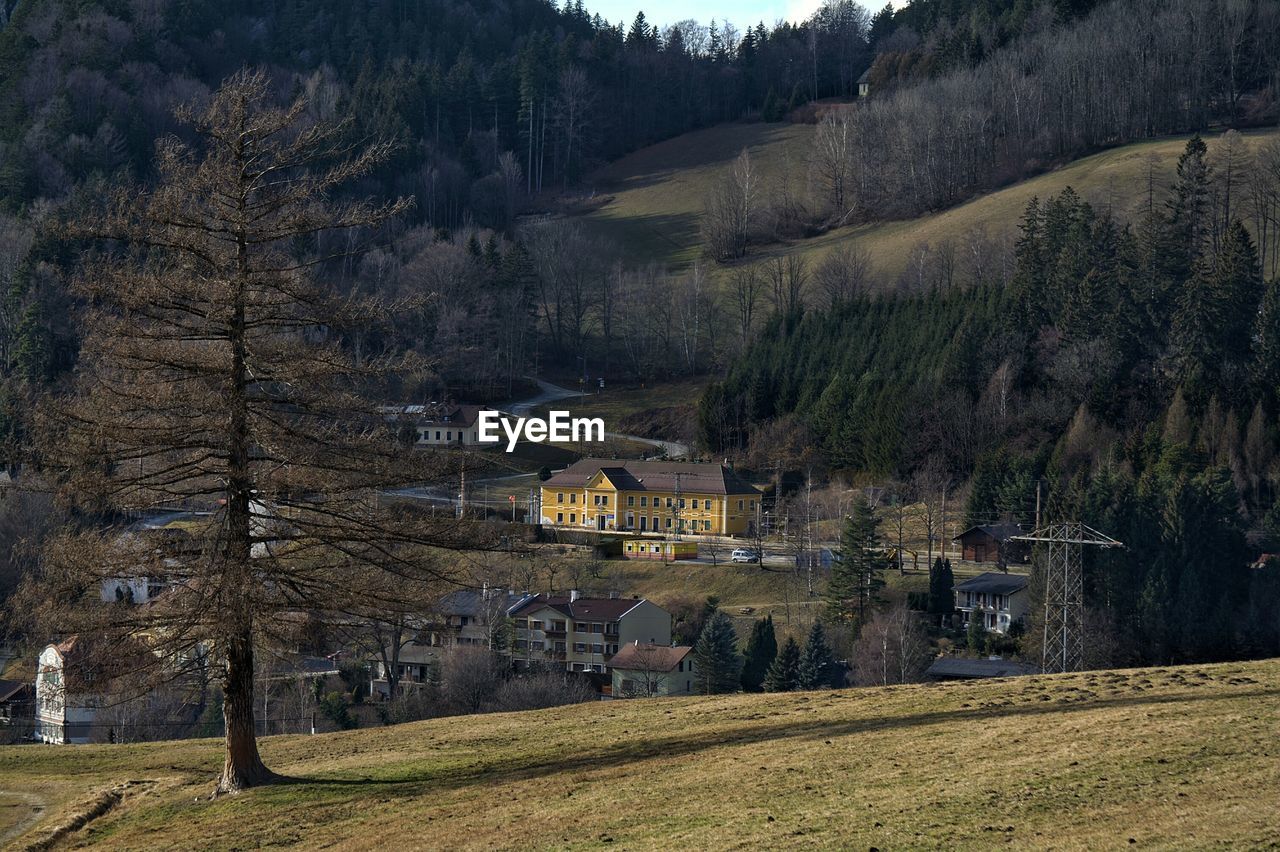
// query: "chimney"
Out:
[573,595]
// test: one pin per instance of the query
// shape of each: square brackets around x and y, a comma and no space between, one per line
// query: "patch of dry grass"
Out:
[657,195]
[1169,757]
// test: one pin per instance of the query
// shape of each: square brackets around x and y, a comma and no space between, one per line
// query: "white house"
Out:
[1001,600]
[65,707]
[158,540]
[646,671]
[440,424]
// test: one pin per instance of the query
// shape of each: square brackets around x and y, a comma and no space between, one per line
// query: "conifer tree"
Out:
[784,673]
[817,663]
[1266,342]
[858,573]
[716,655]
[1216,315]
[976,635]
[762,648]
[941,587]
[215,374]
[1186,239]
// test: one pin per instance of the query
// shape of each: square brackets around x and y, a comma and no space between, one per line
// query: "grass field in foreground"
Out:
[1181,757]
[658,194]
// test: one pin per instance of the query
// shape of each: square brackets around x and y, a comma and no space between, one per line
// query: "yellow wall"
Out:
[579,504]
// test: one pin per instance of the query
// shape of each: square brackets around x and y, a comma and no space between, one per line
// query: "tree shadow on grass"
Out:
[633,751]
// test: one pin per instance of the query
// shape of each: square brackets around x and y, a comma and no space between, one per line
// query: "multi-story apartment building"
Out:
[583,634]
[1000,600]
[664,497]
[468,618]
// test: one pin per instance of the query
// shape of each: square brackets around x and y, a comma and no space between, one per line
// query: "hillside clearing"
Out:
[657,195]
[1170,757]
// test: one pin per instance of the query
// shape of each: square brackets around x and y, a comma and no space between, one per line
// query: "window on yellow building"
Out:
[560,498]
[644,501]
[631,499]
[559,517]
[706,525]
[707,505]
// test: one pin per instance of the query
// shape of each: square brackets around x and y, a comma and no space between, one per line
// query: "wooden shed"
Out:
[994,543]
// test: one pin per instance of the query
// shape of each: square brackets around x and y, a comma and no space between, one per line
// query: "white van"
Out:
[743,554]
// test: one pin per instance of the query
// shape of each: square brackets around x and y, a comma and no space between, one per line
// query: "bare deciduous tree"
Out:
[843,274]
[832,162]
[731,211]
[891,648]
[788,280]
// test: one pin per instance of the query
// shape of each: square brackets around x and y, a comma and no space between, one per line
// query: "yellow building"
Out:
[664,497]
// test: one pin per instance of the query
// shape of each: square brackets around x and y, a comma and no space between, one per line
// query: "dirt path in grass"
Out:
[12,805]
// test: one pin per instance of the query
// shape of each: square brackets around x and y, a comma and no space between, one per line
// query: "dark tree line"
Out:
[86,88]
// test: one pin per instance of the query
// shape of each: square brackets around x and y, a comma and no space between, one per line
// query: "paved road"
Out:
[549,393]
[448,495]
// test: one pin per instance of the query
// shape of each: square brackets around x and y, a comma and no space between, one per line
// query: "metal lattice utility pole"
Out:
[1064,591]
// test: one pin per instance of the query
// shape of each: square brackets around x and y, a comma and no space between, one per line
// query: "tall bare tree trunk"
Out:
[243,767]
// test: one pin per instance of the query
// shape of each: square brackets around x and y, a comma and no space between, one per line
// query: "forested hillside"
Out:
[493,106]
[1132,368]
[85,88]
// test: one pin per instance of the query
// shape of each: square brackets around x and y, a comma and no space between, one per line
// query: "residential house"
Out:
[864,84]
[1001,600]
[164,538]
[465,618]
[664,497]
[583,634]
[643,670]
[994,543]
[65,702]
[17,707]
[439,424]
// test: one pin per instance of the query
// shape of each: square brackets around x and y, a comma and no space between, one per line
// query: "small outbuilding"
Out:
[864,84]
[994,543]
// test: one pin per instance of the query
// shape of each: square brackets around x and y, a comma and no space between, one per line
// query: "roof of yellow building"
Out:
[628,475]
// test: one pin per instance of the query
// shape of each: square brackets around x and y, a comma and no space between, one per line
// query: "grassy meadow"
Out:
[657,195]
[1176,757]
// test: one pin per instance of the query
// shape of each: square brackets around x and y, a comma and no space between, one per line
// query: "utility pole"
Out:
[1064,591]
[462,489]
[942,540]
[1038,481]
